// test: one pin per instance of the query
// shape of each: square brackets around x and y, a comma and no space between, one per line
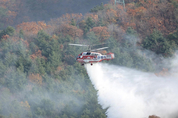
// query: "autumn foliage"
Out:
[35,78]
[25,104]
[70,30]
[101,32]
[153,116]
[36,54]
[32,28]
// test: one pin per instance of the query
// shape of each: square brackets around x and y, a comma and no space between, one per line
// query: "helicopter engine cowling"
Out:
[110,56]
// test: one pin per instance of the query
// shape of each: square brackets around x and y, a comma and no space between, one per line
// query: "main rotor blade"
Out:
[78,44]
[99,49]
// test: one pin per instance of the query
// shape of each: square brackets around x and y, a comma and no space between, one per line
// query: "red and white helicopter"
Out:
[92,57]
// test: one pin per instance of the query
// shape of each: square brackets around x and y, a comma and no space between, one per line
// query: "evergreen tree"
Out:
[88,24]
[73,22]
[21,34]
[9,31]
[157,43]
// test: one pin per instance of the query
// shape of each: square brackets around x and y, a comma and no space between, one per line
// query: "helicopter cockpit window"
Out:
[88,53]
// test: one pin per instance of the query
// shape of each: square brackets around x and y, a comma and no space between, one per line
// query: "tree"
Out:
[97,8]
[21,34]
[157,43]
[73,22]
[15,80]
[101,32]
[92,38]
[87,25]
[36,78]
[90,23]
[54,59]
[70,30]
[8,31]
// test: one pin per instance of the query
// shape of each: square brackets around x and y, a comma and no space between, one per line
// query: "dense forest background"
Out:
[39,77]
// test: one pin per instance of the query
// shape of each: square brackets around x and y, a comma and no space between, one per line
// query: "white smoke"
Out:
[134,94]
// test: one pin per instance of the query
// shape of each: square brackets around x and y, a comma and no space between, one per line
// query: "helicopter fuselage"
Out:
[93,57]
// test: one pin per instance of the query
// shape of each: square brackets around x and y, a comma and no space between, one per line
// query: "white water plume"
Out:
[131,93]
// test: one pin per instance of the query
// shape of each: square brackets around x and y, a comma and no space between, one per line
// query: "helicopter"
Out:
[91,56]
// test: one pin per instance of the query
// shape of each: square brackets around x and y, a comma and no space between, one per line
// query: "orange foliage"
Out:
[120,7]
[54,37]
[59,68]
[32,28]
[111,14]
[25,105]
[35,78]
[140,10]
[5,37]
[153,116]
[134,12]
[3,3]
[101,32]
[116,32]
[93,16]
[164,72]
[12,13]
[70,30]
[37,54]
[25,42]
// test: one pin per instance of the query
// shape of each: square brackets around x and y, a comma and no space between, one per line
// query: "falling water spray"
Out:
[131,93]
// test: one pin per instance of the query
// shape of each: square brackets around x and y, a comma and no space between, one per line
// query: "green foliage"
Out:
[97,8]
[10,59]
[9,31]
[21,34]
[3,12]
[42,42]
[50,49]
[88,24]
[173,40]
[15,80]
[38,66]
[175,3]
[46,44]
[100,22]
[127,54]
[63,39]
[2,69]
[92,38]
[33,47]
[73,22]
[157,43]
[131,31]
[46,108]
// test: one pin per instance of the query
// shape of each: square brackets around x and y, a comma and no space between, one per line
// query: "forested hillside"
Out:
[39,76]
